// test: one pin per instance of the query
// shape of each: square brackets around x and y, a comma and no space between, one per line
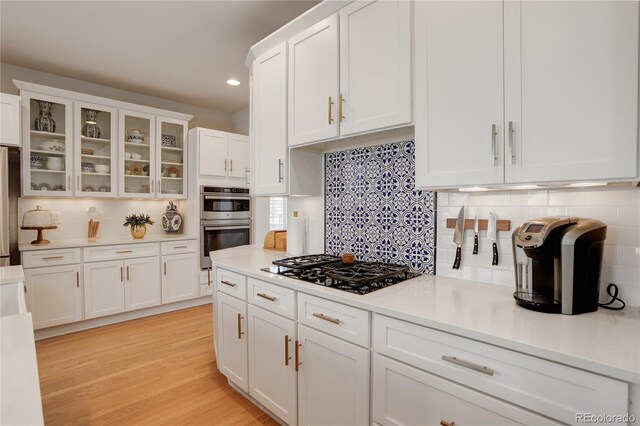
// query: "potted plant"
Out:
[138,223]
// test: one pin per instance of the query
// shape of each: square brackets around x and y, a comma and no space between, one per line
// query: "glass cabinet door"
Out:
[137,155]
[47,150]
[172,158]
[95,150]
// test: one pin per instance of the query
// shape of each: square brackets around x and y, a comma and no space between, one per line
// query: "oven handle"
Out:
[224,197]
[218,228]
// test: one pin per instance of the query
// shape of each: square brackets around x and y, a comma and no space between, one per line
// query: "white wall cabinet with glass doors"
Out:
[82,145]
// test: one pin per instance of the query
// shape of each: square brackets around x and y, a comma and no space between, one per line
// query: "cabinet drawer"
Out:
[338,320]
[232,283]
[542,386]
[403,395]
[123,251]
[272,297]
[35,259]
[176,247]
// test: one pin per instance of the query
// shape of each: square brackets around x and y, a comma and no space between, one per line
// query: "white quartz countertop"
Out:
[604,342]
[20,403]
[11,274]
[57,244]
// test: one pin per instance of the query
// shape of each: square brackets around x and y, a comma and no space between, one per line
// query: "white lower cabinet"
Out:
[118,286]
[53,295]
[403,395]
[232,340]
[333,380]
[272,372]
[180,277]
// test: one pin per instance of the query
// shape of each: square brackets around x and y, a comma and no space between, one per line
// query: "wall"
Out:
[202,117]
[240,121]
[72,213]
[618,207]
[373,209]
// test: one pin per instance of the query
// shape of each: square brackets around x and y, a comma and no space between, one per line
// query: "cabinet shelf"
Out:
[42,151]
[99,140]
[137,145]
[136,176]
[169,163]
[166,148]
[171,178]
[95,174]
[51,135]
[96,157]
[47,171]
[131,160]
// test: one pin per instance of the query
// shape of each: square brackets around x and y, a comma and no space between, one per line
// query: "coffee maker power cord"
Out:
[612,290]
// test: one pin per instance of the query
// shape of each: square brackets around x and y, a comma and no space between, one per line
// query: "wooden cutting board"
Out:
[276,240]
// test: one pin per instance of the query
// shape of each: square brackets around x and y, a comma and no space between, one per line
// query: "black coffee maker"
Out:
[558,263]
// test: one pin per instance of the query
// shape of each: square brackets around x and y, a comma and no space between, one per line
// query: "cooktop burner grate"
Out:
[308,261]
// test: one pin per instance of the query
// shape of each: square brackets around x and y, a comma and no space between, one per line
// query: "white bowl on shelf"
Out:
[127,155]
[102,168]
[136,156]
[55,163]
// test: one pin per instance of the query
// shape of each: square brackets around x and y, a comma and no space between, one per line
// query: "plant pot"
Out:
[138,232]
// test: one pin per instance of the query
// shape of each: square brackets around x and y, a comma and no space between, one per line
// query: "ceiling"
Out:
[179,50]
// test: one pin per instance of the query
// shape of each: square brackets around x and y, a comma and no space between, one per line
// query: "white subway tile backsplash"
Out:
[618,207]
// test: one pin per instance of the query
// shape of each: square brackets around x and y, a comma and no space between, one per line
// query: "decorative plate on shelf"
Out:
[57,188]
[168,141]
[44,187]
[135,169]
[88,188]
[173,171]
[52,145]
[34,186]
[86,151]
[104,188]
[88,167]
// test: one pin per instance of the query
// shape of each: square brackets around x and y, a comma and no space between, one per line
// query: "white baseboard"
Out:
[113,319]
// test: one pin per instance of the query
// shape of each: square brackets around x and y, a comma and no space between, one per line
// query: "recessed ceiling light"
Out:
[233,82]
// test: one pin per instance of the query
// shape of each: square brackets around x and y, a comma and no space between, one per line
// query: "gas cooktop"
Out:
[330,271]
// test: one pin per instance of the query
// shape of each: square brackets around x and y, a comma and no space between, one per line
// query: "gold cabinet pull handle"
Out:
[53,258]
[225,164]
[25,289]
[246,175]
[165,268]
[230,284]
[152,186]
[179,247]
[208,277]
[467,364]
[297,353]
[340,112]
[494,148]
[124,251]
[240,332]
[286,350]
[512,152]
[77,279]
[446,423]
[128,273]
[121,274]
[266,296]
[326,318]
[231,166]
[280,173]
[330,116]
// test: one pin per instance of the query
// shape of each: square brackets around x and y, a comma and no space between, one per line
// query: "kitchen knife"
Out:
[458,235]
[475,235]
[492,235]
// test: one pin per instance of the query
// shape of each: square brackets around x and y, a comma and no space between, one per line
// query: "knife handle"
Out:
[475,244]
[456,263]
[495,254]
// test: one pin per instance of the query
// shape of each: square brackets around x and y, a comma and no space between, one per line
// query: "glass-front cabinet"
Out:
[96,150]
[47,145]
[137,155]
[171,157]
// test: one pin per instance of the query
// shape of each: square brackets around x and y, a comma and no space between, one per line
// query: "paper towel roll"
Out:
[295,235]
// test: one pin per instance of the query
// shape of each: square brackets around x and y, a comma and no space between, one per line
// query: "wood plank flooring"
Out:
[157,370]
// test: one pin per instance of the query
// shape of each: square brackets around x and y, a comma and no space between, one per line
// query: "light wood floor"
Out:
[155,370]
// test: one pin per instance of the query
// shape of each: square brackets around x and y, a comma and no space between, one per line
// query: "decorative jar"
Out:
[91,129]
[44,122]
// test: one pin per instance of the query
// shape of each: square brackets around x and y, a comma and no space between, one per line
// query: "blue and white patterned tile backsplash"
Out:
[373,210]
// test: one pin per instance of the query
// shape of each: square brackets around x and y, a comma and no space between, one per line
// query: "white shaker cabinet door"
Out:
[459,93]
[180,276]
[313,83]
[272,374]
[212,152]
[9,119]
[231,314]
[375,66]
[333,380]
[403,395]
[269,119]
[571,81]
[142,283]
[53,295]
[103,288]
[238,155]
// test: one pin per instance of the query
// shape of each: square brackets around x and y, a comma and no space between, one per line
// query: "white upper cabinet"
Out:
[313,83]
[171,158]
[459,94]
[375,66]
[212,152]
[238,155]
[9,120]
[137,154]
[565,108]
[571,81]
[269,121]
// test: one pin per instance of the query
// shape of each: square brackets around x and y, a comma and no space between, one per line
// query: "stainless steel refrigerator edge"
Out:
[9,193]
